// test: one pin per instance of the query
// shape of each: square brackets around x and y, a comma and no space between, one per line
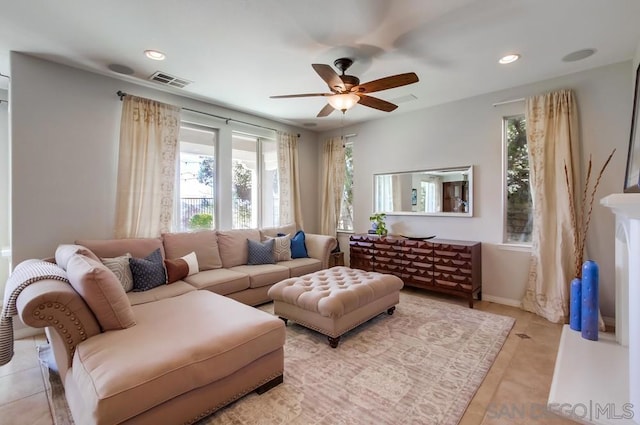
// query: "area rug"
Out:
[422,365]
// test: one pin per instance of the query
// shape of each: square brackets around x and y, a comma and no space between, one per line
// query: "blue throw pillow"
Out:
[148,272]
[298,247]
[260,252]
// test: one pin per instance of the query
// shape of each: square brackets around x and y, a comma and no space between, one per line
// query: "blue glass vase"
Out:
[575,306]
[590,301]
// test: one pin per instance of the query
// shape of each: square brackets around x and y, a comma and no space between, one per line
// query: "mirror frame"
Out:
[469,212]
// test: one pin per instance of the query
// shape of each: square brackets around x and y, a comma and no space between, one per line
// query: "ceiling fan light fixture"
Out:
[343,101]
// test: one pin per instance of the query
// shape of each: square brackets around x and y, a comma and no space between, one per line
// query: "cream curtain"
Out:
[333,174]
[289,179]
[552,139]
[146,167]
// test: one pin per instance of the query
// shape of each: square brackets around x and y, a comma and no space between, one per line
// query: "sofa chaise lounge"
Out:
[193,347]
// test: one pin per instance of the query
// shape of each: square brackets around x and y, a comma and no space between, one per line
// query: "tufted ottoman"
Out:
[335,300]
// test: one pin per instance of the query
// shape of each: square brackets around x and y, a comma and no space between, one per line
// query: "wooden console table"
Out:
[448,266]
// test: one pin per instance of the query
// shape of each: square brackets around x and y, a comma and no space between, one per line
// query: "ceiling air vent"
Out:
[169,80]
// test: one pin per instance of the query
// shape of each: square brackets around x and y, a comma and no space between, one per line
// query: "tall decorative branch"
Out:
[581,222]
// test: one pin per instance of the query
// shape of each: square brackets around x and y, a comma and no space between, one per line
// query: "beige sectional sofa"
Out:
[193,348]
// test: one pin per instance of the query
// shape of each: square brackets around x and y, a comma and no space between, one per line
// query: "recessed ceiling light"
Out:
[509,59]
[155,55]
[578,55]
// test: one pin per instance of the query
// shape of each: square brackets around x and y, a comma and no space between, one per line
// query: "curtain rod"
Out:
[520,99]
[122,94]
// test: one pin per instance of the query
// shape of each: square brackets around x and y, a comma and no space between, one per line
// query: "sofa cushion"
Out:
[120,267]
[260,252]
[137,247]
[220,281]
[102,291]
[301,266]
[160,293]
[204,243]
[64,252]
[263,274]
[281,247]
[148,272]
[287,229]
[233,246]
[197,344]
[298,247]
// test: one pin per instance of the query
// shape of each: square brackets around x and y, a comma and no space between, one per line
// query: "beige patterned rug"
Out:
[421,365]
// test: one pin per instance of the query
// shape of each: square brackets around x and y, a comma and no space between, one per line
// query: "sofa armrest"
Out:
[320,247]
[55,304]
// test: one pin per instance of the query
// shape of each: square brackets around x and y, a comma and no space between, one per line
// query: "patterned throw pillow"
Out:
[260,252]
[281,247]
[298,247]
[120,267]
[148,272]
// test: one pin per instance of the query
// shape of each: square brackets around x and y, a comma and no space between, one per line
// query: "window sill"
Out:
[345,232]
[514,247]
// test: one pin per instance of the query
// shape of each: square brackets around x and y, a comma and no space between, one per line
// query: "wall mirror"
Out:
[439,192]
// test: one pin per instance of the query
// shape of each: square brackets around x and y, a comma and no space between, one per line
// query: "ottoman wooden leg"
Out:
[391,310]
[333,342]
[285,320]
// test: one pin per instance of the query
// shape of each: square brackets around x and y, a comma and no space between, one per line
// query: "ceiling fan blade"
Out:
[374,102]
[300,95]
[325,111]
[386,83]
[329,76]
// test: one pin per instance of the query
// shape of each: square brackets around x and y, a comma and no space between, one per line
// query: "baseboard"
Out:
[502,300]
[609,321]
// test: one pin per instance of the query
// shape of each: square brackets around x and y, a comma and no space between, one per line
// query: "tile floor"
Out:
[514,391]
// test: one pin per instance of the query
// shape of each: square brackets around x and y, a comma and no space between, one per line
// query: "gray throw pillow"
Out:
[260,252]
[281,247]
[120,267]
[148,272]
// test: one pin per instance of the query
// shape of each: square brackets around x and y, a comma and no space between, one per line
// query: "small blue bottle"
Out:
[575,307]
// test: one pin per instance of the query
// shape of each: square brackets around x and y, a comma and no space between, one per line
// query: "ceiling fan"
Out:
[346,90]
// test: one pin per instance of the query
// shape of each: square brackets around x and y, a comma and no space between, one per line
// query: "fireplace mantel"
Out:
[602,378]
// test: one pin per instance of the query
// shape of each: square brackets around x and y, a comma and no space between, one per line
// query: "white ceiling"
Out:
[239,52]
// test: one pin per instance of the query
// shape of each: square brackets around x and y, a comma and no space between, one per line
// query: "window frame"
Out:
[350,144]
[505,202]
[177,210]
[259,174]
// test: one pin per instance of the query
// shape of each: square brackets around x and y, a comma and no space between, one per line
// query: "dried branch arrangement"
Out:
[581,222]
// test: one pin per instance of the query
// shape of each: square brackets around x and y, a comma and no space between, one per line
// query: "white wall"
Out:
[468,132]
[4,187]
[65,135]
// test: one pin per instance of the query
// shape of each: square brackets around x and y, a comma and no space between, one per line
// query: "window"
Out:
[195,194]
[519,213]
[255,192]
[345,223]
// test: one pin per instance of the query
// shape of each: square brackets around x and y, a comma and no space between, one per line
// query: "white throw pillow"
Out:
[192,261]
